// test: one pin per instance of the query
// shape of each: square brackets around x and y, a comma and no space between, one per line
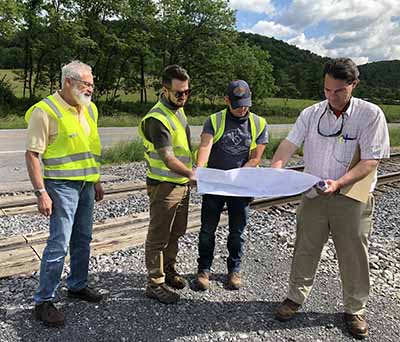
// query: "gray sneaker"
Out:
[162,293]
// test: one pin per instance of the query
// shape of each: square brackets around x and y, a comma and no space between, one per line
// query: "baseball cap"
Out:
[239,94]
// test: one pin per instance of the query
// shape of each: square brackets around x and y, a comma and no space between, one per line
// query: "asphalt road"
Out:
[12,148]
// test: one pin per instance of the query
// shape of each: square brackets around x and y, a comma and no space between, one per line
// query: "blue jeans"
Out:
[71,224]
[238,212]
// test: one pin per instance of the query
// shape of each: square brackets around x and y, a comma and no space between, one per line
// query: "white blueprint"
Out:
[253,182]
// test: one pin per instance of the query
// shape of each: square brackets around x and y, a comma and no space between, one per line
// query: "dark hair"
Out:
[174,71]
[342,69]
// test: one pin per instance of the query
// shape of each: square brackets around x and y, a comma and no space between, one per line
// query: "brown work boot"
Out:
[162,293]
[233,282]
[356,325]
[286,310]
[175,280]
[203,280]
[87,294]
[49,315]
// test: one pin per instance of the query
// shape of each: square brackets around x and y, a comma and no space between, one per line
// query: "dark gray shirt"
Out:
[232,149]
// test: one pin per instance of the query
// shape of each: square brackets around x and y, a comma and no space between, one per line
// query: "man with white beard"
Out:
[62,128]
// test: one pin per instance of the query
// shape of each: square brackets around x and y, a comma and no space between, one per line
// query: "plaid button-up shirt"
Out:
[329,157]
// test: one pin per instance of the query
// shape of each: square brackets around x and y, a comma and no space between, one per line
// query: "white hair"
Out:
[74,69]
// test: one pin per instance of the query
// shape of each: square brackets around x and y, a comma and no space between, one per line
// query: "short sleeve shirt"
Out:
[233,148]
[364,125]
[43,128]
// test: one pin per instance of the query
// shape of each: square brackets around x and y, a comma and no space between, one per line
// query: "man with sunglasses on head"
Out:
[166,137]
[332,132]
[231,138]
[62,128]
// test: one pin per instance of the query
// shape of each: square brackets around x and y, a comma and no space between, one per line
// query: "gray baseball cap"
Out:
[239,94]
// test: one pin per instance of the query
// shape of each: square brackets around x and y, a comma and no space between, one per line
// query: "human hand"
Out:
[333,186]
[45,204]
[99,192]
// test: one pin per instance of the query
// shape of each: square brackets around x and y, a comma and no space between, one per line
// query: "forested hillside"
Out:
[297,72]
[128,43]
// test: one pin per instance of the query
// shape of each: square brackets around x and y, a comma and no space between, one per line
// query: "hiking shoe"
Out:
[234,281]
[162,293]
[356,325]
[286,310]
[203,280]
[49,315]
[87,294]
[175,280]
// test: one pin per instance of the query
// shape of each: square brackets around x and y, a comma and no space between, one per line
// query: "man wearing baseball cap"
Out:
[231,138]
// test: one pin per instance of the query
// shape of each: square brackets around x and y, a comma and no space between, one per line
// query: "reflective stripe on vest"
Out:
[156,156]
[158,110]
[70,158]
[71,173]
[219,125]
[53,107]
[164,173]
[175,123]
[73,155]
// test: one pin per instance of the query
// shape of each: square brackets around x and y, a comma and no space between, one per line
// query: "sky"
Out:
[366,31]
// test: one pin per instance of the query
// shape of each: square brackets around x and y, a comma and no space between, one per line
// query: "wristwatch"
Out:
[39,192]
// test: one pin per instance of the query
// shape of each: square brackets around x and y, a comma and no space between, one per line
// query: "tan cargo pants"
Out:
[350,224]
[169,205]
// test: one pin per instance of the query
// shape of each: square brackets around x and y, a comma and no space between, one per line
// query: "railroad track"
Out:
[26,204]
[20,254]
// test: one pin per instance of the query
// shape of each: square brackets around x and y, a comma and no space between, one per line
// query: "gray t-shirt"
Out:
[232,149]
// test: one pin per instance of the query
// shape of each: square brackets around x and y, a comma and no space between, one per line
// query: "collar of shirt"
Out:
[66,105]
[347,112]
[235,118]
[167,103]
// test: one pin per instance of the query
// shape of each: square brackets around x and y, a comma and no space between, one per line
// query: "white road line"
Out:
[10,152]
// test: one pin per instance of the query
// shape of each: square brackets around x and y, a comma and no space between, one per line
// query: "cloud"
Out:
[256,6]
[365,32]
[271,29]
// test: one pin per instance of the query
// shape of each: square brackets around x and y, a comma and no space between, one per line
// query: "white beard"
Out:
[81,98]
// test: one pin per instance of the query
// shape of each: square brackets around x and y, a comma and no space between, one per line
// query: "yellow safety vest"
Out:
[257,125]
[175,123]
[73,155]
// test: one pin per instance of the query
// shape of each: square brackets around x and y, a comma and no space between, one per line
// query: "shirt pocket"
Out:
[344,150]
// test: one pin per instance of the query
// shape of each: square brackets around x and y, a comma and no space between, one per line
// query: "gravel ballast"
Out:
[217,314]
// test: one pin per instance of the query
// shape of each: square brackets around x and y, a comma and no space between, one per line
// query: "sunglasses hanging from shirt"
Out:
[336,134]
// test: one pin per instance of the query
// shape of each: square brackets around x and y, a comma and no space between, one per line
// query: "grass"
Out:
[124,152]
[131,151]
[12,122]
[127,111]
[394,134]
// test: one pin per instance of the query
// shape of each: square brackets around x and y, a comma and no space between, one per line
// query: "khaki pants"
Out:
[169,205]
[350,223]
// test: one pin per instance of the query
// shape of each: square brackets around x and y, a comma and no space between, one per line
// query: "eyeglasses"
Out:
[179,94]
[87,84]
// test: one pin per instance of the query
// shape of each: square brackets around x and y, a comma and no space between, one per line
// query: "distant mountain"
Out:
[298,73]
[381,81]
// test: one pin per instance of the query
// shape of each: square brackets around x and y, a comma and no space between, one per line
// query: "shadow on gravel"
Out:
[127,315]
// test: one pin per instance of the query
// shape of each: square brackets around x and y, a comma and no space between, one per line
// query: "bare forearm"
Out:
[206,143]
[358,172]
[202,158]
[168,157]
[255,156]
[283,154]
[34,169]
